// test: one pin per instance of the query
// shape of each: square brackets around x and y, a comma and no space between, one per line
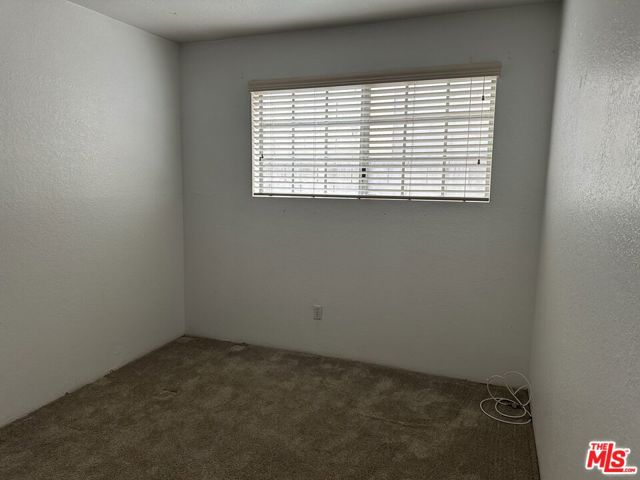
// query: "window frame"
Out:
[492,69]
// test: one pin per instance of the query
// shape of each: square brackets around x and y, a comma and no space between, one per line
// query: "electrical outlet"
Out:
[317,312]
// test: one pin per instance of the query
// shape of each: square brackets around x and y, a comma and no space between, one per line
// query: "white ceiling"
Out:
[189,20]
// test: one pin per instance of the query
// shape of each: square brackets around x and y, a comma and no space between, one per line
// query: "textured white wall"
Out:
[91,272]
[445,288]
[586,354]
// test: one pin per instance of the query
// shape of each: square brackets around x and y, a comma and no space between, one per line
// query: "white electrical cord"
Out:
[518,403]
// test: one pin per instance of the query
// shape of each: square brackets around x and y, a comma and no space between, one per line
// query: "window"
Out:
[418,136]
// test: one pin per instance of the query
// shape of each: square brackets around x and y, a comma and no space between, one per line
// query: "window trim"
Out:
[432,73]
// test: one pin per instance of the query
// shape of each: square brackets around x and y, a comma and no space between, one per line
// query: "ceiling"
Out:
[190,20]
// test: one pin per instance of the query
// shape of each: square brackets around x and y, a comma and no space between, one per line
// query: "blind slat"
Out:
[373,162]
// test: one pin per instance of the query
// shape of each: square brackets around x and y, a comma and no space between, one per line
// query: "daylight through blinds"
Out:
[418,139]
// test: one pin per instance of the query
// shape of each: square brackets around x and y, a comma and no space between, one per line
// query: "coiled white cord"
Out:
[518,403]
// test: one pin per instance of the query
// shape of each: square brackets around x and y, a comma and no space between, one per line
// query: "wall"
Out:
[91,272]
[586,355]
[446,288]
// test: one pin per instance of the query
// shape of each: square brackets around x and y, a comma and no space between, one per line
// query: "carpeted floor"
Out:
[204,409]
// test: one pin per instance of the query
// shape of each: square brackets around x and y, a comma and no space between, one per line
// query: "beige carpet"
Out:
[204,409]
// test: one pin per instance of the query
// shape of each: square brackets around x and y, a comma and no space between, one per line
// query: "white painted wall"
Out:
[446,288]
[91,272]
[586,354]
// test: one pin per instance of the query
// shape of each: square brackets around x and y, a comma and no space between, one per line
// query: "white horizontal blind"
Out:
[428,139]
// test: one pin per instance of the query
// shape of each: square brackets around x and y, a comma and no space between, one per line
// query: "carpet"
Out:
[206,409]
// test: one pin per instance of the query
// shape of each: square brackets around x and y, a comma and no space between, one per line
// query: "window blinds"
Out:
[428,139]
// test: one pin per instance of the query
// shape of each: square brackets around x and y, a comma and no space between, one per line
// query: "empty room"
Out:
[319,239]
